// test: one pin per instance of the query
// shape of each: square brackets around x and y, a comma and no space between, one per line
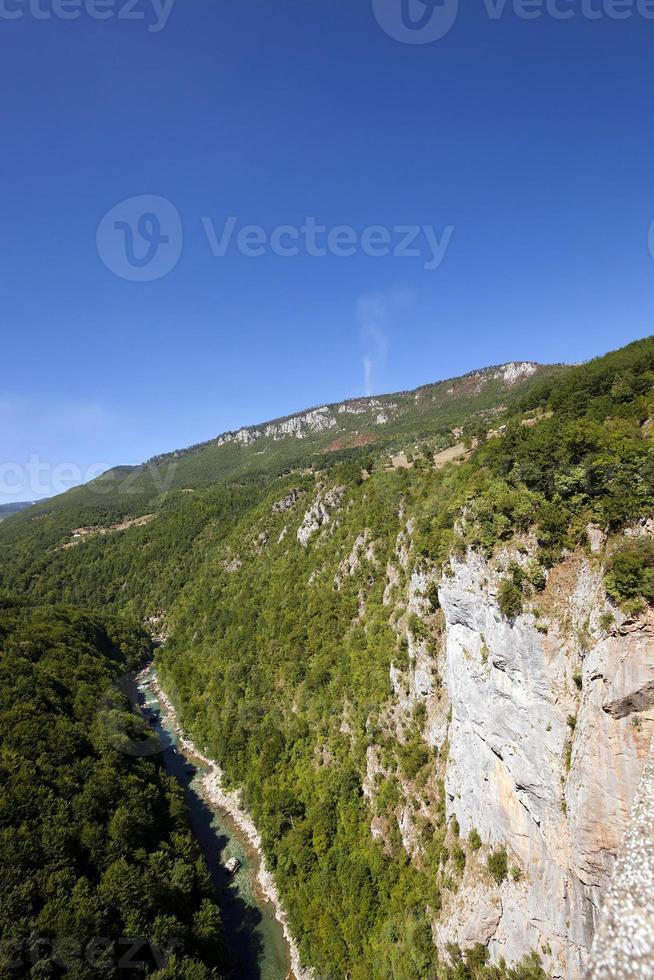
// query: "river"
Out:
[254,937]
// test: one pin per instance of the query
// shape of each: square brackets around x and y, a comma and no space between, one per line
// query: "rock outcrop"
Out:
[545,756]
[319,514]
[543,727]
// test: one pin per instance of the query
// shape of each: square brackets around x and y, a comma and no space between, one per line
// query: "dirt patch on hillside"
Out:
[82,533]
[349,442]
[455,454]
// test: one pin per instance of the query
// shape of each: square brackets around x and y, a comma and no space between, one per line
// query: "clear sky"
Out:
[525,147]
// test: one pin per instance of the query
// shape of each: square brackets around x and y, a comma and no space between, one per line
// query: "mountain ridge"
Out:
[513,371]
[440,412]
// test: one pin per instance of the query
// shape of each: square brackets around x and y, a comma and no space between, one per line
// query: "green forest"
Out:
[99,872]
[277,653]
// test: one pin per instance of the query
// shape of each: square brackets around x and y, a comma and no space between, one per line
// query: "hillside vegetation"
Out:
[95,849]
[277,570]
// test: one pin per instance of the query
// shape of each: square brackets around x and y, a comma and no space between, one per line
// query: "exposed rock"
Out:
[471,916]
[624,942]
[381,831]
[513,372]
[513,691]
[631,687]
[361,406]
[315,574]
[417,601]
[607,761]
[401,462]
[319,514]
[362,549]
[418,685]
[297,426]
[374,769]
[287,503]
[643,529]
[392,581]
[300,426]
[596,538]
[156,626]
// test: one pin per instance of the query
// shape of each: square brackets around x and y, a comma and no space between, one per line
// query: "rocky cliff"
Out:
[544,725]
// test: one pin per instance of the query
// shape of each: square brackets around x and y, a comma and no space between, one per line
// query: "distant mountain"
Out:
[435,416]
[8,510]
[384,419]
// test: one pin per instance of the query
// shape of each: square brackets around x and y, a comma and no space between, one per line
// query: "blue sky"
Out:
[526,147]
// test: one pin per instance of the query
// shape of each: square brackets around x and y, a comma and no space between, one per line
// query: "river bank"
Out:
[229,803]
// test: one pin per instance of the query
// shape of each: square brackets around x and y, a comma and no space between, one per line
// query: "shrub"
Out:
[433,597]
[537,576]
[528,968]
[477,957]
[510,599]
[474,840]
[498,865]
[412,757]
[631,573]
[459,859]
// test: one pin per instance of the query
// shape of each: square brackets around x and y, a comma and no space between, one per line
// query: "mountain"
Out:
[415,631]
[439,415]
[8,510]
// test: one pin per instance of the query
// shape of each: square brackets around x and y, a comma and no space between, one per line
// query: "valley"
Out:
[422,657]
[249,904]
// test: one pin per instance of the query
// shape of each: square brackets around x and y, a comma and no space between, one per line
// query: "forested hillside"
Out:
[99,872]
[320,602]
[8,510]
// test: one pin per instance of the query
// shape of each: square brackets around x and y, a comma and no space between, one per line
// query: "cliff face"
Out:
[550,722]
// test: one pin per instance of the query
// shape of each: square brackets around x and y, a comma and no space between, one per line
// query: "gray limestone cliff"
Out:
[544,724]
